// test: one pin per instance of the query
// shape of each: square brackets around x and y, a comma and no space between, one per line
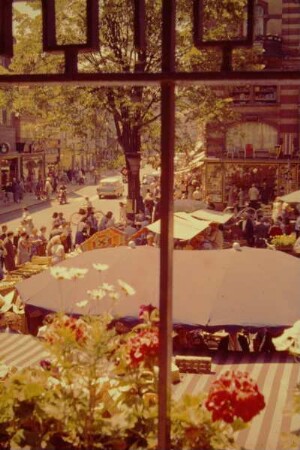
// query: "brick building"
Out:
[262,146]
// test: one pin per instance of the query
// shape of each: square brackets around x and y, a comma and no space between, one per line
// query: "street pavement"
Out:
[41,211]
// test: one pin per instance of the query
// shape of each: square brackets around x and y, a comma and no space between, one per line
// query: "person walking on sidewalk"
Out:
[15,190]
[48,188]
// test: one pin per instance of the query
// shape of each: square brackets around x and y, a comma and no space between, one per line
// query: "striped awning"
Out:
[20,350]
[276,375]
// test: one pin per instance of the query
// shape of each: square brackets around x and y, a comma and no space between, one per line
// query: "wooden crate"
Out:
[193,364]
[41,260]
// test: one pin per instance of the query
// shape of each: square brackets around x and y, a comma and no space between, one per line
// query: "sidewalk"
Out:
[31,200]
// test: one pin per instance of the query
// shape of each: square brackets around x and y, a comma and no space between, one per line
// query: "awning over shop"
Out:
[212,216]
[185,227]
[292,197]
[188,205]
[198,161]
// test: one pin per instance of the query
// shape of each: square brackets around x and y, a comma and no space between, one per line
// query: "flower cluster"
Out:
[289,340]
[143,347]
[234,396]
[284,240]
[65,273]
[63,325]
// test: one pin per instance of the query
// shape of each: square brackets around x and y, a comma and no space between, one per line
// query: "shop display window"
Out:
[214,182]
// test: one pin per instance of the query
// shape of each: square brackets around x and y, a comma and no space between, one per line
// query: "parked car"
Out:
[110,187]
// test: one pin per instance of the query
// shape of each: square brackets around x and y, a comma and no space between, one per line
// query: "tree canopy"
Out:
[134,110]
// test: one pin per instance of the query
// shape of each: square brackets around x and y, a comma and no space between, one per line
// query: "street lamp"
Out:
[133,160]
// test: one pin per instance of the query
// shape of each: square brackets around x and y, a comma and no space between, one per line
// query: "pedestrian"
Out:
[253,194]
[39,189]
[67,231]
[15,190]
[27,221]
[297,224]
[61,219]
[3,232]
[9,257]
[55,249]
[248,230]
[35,243]
[122,213]
[55,220]
[241,201]
[81,232]
[48,188]
[107,221]
[197,194]
[148,203]
[44,241]
[92,222]
[24,249]
[2,256]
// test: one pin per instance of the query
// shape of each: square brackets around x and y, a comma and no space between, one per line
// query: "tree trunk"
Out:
[132,150]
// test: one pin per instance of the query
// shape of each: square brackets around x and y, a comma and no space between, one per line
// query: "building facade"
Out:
[262,146]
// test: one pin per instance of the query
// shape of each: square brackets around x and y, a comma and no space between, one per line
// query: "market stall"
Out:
[218,289]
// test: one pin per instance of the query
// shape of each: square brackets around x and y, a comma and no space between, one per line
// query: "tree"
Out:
[134,109]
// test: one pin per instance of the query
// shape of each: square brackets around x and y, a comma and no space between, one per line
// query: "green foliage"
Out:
[89,395]
[133,110]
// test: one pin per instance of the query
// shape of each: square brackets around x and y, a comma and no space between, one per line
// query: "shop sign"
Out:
[4,148]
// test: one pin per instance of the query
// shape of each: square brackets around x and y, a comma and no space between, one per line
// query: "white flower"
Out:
[65,273]
[60,273]
[82,304]
[101,267]
[107,287]
[76,273]
[97,294]
[114,295]
[126,287]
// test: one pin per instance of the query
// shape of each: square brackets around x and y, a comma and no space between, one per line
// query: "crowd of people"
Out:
[19,246]
[15,189]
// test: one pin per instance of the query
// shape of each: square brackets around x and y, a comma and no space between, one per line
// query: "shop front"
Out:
[9,168]
[32,167]
[224,179]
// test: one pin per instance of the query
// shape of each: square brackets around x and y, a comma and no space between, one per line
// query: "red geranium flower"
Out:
[234,395]
[143,347]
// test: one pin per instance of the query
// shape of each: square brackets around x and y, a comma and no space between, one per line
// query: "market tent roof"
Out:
[187,205]
[185,227]
[292,197]
[218,288]
[212,216]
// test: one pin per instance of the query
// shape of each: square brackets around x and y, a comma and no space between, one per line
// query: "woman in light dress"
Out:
[24,249]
